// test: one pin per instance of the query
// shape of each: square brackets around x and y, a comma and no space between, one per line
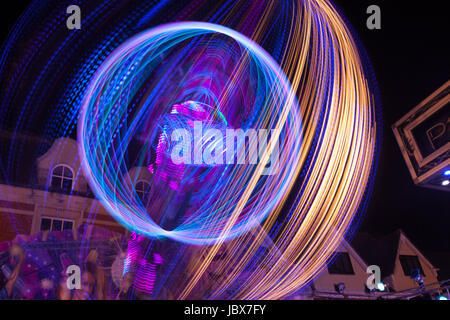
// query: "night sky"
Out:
[410,57]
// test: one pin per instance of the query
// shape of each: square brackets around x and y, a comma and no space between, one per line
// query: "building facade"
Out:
[60,199]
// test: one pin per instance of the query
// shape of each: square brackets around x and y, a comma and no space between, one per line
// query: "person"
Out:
[46,290]
[64,292]
[125,284]
[92,282]
[88,286]
[85,292]
[7,284]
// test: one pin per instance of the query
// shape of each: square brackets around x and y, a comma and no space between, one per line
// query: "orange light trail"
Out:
[322,62]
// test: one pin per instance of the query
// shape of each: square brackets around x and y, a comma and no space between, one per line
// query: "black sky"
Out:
[410,57]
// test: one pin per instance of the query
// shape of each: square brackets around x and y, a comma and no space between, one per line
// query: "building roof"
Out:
[383,251]
[379,251]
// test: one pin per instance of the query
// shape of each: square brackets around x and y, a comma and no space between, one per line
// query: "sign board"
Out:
[424,139]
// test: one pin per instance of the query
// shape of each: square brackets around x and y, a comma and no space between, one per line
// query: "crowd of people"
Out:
[94,285]
[133,268]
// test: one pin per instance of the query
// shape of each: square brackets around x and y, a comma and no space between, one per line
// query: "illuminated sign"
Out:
[424,139]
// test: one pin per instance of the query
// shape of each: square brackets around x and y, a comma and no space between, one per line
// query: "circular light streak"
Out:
[288,247]
[241,196]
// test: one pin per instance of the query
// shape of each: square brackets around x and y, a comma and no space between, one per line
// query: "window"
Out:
[341,265]
[67,225]
[142,189]
[62,178]
[409,264]
[46,224]
[53,224]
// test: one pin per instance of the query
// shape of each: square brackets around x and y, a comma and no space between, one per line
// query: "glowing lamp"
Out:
[381,286]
